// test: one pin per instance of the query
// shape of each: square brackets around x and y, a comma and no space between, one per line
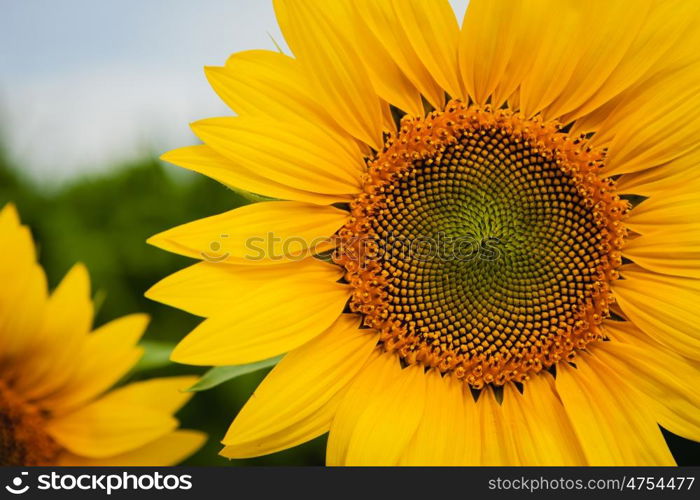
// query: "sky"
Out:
[88,84]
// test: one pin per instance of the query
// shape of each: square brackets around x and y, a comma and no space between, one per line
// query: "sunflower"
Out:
[490,251]
[55,374]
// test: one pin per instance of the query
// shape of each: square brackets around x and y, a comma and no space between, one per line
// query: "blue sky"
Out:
[87,83]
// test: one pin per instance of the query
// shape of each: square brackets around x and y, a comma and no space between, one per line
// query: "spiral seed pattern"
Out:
[483,244]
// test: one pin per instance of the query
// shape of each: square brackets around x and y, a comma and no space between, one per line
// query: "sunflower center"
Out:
[23,440]
[483,244]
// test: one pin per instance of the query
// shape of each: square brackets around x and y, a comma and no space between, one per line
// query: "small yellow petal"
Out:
[206,161]
[387,423]
[339,79]
[664,307]
[613,428]
[207,288]
[168,450]
[300,155]
[262,233]
[297,392]
[271,321]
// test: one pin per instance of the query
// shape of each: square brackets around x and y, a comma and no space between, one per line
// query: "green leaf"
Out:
[156,355]
[221,374]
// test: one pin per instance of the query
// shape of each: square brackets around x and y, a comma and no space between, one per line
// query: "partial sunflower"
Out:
[55,374]
[513,210]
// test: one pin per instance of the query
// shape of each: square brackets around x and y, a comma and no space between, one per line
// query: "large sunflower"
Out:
[55,373]
[513,207]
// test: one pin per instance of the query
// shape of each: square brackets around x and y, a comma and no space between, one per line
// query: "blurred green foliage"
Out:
[103,220]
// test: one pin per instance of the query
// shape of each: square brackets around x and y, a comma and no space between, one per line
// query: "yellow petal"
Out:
[268,84]
[670,382]
[300,155]
[388,421]
[676,176]
[433,30]
[610,29]
[675,210]
[653,123]
[664,307]
[487,40]
[268,232]
[382,20]
[390,83]
[273,320]
[67,321]
[22,304]
[108,354]
[552,58]
[661,35]
[371,380]
[207,288]
[498,446]
[613,428]
[675,252]
[549,441]
[166,395]
[168,450]
[205,160]
[441,436]
[297,392]
[339,79]
[103,429]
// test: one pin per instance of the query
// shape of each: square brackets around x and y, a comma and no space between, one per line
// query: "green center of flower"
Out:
[488,245]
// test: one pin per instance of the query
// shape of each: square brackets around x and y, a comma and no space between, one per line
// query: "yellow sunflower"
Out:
[513,210]
[55,373]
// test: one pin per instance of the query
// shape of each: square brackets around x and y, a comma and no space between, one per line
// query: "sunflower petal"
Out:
[487,40]
[298,391]
[538,442]
[21,306]
[612,428]
[382,20]
[67,321]
[204,160]
[339,79]
[104,429]
[268,84]
[498,447]
[611,28]
[165,394]
[664,307]
[653,123]
[663,32]
[260,325]
[379,371]
[676,175]
[296,154]
[667,379]
[387,423]
[434,34]
[668,252]
[551,60]
[207,288]
[441,437]
[268,232]
[168,450]
[109,352]
[677,209]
